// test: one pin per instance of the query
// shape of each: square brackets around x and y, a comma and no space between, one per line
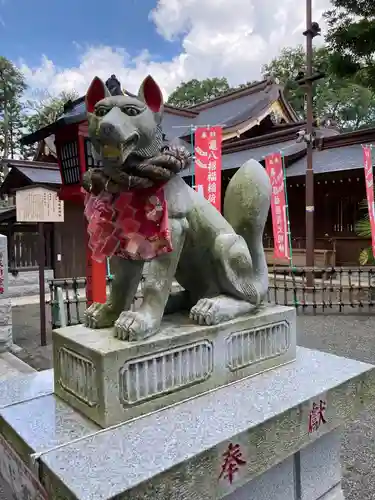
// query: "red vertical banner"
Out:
[208,163]
[274,168]
[369,179]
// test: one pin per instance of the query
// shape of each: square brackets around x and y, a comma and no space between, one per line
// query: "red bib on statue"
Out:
[132,225]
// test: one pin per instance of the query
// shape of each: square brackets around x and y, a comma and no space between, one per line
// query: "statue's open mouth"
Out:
[129,146]
[120,153]
[115,177]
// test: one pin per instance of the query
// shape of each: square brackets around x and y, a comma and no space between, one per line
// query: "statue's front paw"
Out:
[206,312]
[135,325]
[99,316]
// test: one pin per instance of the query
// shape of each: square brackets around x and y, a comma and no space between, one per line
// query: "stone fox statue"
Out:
[218,260]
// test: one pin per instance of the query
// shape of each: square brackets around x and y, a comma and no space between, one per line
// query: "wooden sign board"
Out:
[39,204]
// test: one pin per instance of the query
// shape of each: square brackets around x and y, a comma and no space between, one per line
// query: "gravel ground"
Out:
[350,336]
[344,335]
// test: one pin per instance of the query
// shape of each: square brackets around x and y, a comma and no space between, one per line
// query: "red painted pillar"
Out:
[96,283]
[95,272]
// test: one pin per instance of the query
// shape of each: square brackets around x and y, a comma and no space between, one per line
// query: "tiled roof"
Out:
[30,174]
[330,160]
[232,94]
[250,111]
[238,158]
[41,175]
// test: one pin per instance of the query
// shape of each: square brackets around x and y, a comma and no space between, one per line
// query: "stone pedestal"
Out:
[111,381]
[314,473]
[270,437]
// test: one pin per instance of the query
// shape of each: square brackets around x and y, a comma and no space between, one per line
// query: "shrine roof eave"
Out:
[51,129]
[277,137]
[20,177]
[232,160]
[252,115]
[289,108]
[361,136]
[340,159]
[10,162]
[232,94]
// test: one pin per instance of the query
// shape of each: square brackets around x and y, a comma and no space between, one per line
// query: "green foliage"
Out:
[196,91]
[15,127]
[348,103]
[12,85]
[351,40]
[18,118]
[44,112]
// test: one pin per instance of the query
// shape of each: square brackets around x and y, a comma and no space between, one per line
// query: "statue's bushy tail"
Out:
[246,207]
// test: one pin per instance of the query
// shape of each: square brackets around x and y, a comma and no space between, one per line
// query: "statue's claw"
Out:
[135,325]
[99,316]
[218,309]
[204,312]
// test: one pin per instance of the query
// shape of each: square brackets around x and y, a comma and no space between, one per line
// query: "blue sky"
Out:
[35,27]
[63,44]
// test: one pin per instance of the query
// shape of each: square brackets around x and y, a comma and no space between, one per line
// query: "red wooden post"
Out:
[96,272]
[70,141]
[96,279]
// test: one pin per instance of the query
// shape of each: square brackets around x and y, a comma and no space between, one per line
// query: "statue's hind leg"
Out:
[241,293]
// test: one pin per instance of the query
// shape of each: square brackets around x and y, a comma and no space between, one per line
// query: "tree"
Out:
[285,68]
[351,39]
[15,129]
[48,110]
[195,91]
[39,114]
[348,103]
[12,86]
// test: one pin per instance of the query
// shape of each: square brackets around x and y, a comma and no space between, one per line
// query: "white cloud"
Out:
[219,38]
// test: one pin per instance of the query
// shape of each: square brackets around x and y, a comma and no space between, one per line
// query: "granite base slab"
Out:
[52,423]
[19,389]
[255,424]
[33,420]
[11,366]
[111,381]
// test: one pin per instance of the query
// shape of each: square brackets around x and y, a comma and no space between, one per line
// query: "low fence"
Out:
[68,300]
[335,290]
[23,249]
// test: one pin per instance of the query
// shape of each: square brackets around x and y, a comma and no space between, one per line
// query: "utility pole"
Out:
[306,80]
[310,236]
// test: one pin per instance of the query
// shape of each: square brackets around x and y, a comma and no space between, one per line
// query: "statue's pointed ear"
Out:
[150,93]
[95,93]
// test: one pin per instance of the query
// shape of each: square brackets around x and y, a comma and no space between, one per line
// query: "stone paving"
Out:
[344,335]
